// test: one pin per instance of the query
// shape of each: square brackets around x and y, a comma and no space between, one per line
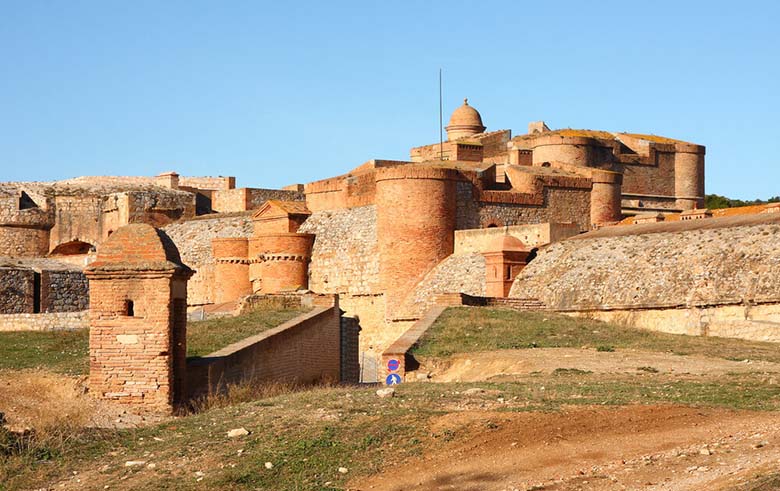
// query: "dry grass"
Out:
[468,329]
[44,401]
[46,414]
[250,390]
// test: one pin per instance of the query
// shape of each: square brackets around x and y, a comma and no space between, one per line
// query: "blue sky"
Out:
[276,94]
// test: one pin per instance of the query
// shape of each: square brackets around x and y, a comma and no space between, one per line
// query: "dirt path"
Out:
[635,447]
[504,364]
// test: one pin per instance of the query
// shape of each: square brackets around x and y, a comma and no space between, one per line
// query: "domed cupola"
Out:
[465,121]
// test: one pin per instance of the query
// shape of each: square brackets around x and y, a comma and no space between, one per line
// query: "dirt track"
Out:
[636,447]
[504,364]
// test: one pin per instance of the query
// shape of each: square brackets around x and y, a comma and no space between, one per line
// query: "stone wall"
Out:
[463,273]
[243,199]
[534,235]
[754,322]
[17,291]
[684,272]
[559,205]
[208,183]
[193,239]
[44,322]
[64,291]
[344,256]
[23,241]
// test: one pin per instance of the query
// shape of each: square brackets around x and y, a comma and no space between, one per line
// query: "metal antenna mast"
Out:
[441,133]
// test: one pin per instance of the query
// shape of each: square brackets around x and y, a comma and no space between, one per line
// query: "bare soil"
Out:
[594,448]
[503,365]
[634,447]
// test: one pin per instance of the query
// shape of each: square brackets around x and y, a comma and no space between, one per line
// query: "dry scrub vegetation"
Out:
[329,438]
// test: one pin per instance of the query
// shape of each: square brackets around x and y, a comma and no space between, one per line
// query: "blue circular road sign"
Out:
[393,379]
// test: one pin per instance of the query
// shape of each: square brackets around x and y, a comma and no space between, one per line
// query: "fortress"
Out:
[389,237]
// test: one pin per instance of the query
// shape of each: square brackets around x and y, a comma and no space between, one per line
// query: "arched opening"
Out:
[72,248]
[492,225]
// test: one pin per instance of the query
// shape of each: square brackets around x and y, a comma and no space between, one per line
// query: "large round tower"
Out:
[415,225]
[575,150]
[689,175]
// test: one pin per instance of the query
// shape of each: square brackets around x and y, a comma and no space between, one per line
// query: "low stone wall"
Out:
[64,291]
[303,350]
[44,322]
[753,322]
[17,290]
[399,350]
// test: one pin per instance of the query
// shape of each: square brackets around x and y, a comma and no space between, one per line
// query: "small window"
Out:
[129,308]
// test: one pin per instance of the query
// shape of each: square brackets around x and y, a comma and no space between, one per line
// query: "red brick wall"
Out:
[231,269]
[131,357]
[285,261]
[689,176]
[138,323]
[341,192]
[304,350]
[415,225]
[654,178]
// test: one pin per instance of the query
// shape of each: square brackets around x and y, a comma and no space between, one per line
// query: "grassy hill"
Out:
[328,438]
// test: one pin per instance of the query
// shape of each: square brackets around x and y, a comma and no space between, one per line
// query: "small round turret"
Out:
[465,121]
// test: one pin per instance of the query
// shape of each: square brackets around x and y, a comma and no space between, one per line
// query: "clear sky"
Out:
[283,92]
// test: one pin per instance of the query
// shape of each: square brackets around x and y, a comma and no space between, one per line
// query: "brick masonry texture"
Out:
[193,239]
[138,323]
[305,349]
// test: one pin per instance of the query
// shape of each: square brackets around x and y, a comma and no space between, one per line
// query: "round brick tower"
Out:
[574,150]
[415,225]
[605,197]
[689,175]
[280,261]
[231,269]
